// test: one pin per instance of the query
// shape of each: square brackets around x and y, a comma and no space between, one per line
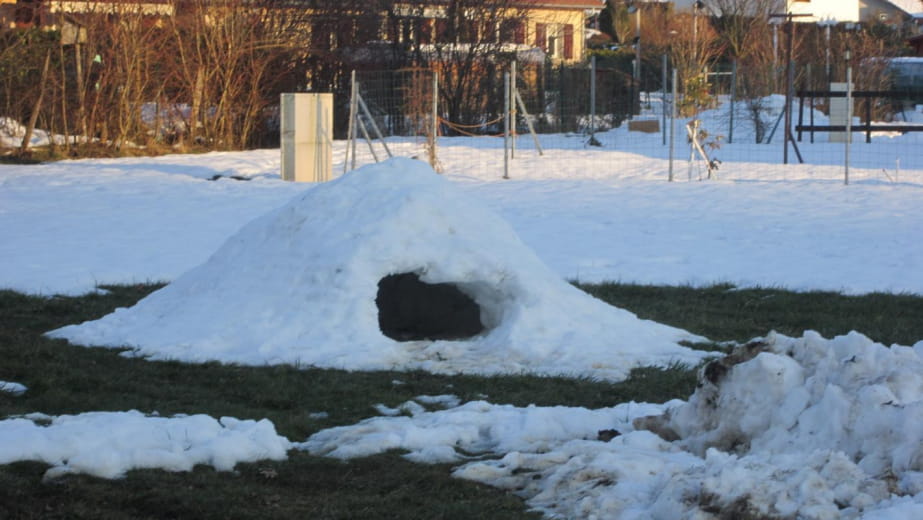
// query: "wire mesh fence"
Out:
[392,112]
[598,109]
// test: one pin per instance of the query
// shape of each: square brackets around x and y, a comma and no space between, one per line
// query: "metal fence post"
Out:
[848,118]
[733,100]
[663,98]
[351,132]
[506,125]
[511,109]
[672,123]
[592,95]
[435,129]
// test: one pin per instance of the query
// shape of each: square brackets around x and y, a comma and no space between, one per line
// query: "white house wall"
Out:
[834,10]
[839,10]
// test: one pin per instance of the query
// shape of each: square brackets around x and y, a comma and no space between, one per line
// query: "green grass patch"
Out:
[726,313]
[66,379]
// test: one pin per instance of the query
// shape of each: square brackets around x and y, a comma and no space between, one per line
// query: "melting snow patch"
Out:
[108,444]
[804,428]
[445,400]
[12,388]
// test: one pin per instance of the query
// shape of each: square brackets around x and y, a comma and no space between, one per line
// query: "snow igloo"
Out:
[390,266]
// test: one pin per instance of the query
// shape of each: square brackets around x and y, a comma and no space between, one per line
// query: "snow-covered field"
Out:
[807,428]
[591,215]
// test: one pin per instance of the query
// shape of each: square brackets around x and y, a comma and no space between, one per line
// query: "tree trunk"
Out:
[30,127]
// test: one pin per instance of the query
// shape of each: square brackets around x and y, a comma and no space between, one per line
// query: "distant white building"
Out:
[837,11]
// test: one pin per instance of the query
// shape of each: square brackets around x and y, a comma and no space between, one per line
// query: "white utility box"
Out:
[838,112]
[307,136]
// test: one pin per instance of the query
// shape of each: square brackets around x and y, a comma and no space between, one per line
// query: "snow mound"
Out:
[782,428]
[848,394]
[299,285]
[108,444]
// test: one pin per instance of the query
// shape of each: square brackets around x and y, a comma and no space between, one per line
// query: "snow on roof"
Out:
[908,6]
[299,285]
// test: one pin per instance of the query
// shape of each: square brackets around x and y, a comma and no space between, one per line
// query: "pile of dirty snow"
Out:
[299,285]
[782,428]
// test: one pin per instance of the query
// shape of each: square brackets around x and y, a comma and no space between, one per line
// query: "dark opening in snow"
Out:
[410,310]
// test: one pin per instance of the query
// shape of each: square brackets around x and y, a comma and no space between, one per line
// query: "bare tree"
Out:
[36,108]
[130,80]
[616,22]
[468,43]
[227,59]
[28,64]
[744,28]
[692,45]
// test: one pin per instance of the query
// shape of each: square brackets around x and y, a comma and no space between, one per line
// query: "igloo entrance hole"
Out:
[410,309]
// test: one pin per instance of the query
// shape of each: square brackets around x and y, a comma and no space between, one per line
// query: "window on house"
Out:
[408,29]
[423,30]
[323,34]
[406,33]
[345,32]
[554,47]
[557,40]
[512,31]
[27,14]
[468,31]
[368,28]
[463,31]
[443,35]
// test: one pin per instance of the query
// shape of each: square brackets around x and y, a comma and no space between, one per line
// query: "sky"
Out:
[845,411]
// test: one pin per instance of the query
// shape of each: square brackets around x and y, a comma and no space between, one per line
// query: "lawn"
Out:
[63,379]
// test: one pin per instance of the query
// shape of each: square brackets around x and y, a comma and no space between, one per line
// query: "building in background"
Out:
[556,27]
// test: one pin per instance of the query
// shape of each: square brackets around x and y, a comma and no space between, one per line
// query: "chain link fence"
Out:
[602,108]
[392,112]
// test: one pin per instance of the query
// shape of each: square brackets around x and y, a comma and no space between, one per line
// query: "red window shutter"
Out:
[541,40]
[568,42]
[394,29]
[442,29]
[425,31]
[519,33]
[345,31]
[471,32]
